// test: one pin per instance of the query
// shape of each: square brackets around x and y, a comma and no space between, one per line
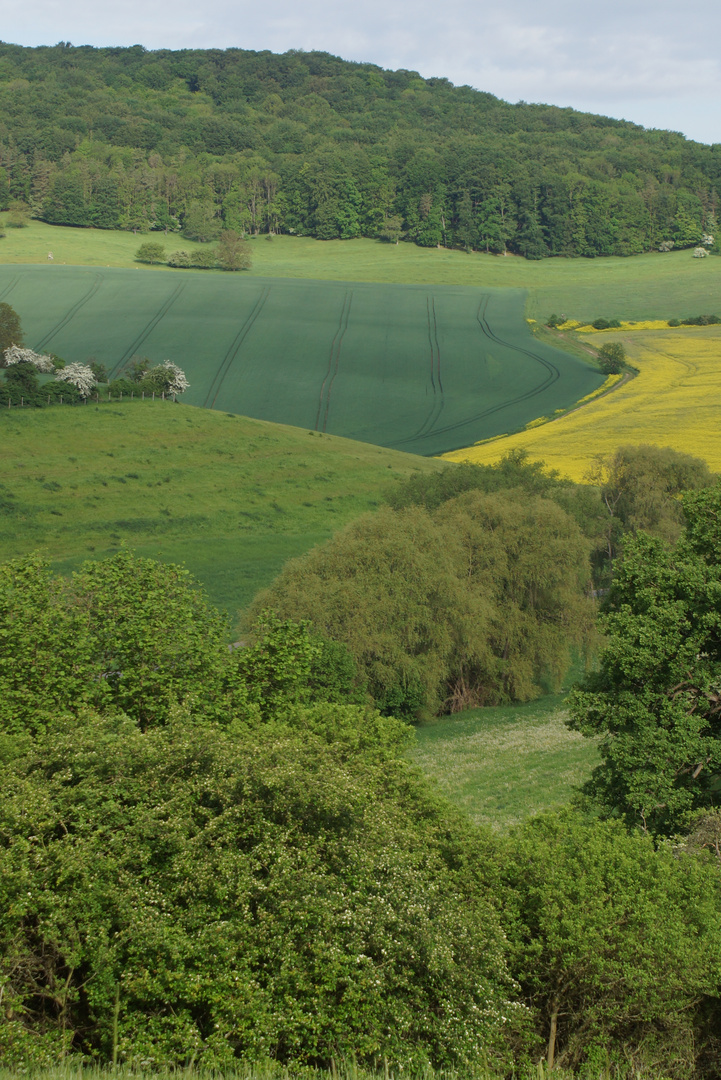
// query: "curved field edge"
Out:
[673,401]
[658,286]
[423,369]
[229,497]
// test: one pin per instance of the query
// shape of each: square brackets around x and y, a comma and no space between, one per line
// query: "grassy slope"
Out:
[231,498]
[645,286]
[673,401]
[501,765]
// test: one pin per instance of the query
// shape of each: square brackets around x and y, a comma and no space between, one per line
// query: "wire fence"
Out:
[97,398]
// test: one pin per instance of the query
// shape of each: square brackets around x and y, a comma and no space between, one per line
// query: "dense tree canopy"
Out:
[221,855]
[656,700]
[307,143]
[478,603]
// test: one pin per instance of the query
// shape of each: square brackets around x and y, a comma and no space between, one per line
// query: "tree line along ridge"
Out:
[307,143]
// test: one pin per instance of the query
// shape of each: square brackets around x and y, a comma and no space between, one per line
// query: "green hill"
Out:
[310,144]
[229,497]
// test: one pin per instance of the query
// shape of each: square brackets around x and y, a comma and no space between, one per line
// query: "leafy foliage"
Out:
[10,329]
[614,943]
[220,854]
[475,604]
[655,699]
[612,357]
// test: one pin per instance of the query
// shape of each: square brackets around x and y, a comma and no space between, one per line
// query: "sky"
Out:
[655,62]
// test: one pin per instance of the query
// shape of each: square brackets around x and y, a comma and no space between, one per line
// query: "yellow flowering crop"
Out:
[675,400]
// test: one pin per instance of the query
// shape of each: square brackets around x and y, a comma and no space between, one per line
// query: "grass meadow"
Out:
[502,765]
[673,401]
[229,497]
[417,368]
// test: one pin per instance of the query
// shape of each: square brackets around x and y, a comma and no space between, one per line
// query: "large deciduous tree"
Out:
[655,702]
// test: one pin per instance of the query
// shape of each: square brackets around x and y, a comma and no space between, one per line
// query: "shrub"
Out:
[165,378]
[601,324]
[150,252]
[554,321]
[180,259]
[78,375]
[124,386]
[204,258]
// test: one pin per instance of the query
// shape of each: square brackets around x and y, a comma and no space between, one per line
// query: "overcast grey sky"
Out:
[655,62]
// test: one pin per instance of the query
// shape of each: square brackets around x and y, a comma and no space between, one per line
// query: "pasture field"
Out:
[502,765]
[671,285]
[673,401]
[230,498]
[423,369]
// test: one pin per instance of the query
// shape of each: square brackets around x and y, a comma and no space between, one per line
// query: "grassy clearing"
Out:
[420,369]
[231,498]
[645,286]
[502,765]
[673,401]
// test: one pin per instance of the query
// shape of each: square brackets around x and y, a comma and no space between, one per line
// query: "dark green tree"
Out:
[10,330]
[655,703]
[615,944]
[233,252]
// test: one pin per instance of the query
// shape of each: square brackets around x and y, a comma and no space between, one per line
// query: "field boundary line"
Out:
[334,359]
[71,313]
[9,288]
[227,361]
[149,327]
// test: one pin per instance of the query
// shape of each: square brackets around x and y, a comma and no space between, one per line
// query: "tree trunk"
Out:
[552,1034]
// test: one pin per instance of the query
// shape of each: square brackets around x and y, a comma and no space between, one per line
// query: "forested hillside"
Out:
[310,144]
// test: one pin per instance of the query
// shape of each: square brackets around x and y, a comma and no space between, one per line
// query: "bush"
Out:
[554,321]
[180,259]
[204,258]
[601,324]
[124,386]
[700,320]
[150,252]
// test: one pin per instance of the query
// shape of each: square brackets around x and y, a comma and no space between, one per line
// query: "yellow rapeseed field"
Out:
[675,400]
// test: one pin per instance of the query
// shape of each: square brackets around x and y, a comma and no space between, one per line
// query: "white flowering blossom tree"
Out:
[167,378]
[177,382]
[700,253]
[79,376]
[16,355]
[707,240]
